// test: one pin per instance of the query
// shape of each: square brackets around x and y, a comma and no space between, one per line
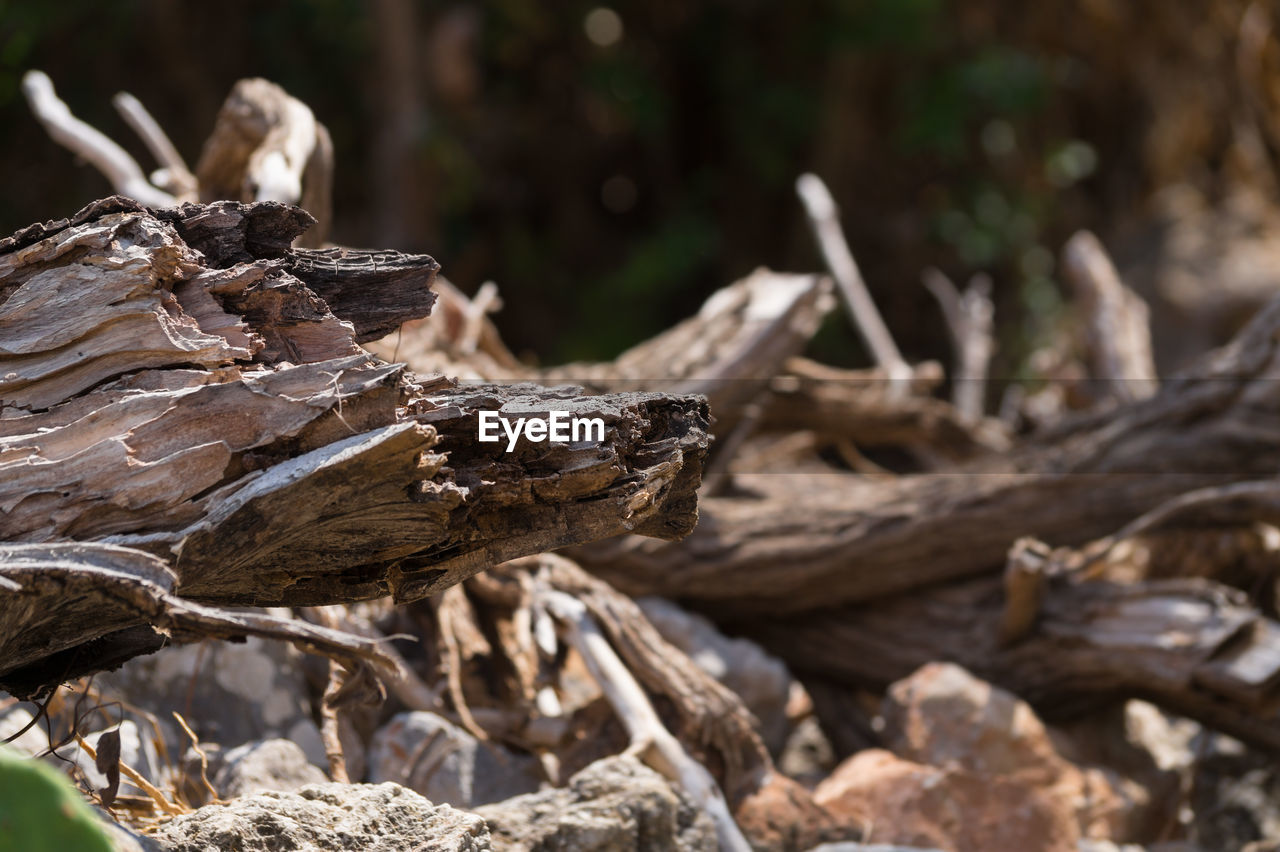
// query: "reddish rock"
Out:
[943,716]
[952,809]
[782,816]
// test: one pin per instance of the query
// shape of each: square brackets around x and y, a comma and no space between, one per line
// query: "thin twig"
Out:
[453,663]
[106,156]
[138,780]
[174,175]
[331,728]
[200,752]
[824,217]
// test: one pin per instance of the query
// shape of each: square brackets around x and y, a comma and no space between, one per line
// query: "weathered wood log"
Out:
[778,546]
[1190,645]
[209,407]
[76,608]
[740,351]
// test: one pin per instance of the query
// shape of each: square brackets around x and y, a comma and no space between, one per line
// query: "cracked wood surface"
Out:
[183,384]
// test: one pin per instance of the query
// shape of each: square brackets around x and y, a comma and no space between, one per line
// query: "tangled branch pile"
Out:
[198,415]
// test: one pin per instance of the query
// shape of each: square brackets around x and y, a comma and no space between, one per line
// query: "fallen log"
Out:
[1193,646]
[778,546]
[207,402]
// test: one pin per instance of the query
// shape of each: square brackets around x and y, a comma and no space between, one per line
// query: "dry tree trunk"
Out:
[184,385]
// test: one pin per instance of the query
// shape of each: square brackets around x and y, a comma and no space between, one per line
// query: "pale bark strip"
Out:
[970,317]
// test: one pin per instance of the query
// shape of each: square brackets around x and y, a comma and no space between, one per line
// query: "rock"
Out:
[760,679]
[434,757]
[1169,740]
[808,755]
[943,716]
[1235,796]
[945,808]
[264,766]
[614,804]
[30,742]
[867,847]
[782,816]
[124,840]
[229,692]
[327,818]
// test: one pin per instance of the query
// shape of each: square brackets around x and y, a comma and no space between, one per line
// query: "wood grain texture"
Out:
[782,543]
[169,385]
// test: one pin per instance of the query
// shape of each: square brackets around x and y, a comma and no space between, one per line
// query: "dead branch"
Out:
[858,406]
[649,738]
[825,219]
[219,416]
[106,156]
[970,316]
[1191,645]
[1116,319]
[264,148]
[174,176]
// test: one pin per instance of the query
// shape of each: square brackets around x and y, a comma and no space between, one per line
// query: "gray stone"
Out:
[614,804]
[229,692]
[124,840]
[434,757]
[866,847]
[264,766]
[327,818]
[760,679]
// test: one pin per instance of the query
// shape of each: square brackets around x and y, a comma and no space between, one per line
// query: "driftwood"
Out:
[1194,646]
[824,218]
[860,406]
[185,385]
[779,546]
[1117,330]
[265,146]
[970,319]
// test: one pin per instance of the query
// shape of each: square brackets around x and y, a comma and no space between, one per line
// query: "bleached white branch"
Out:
[825,220]
[650,740]
[106,156]
[970,316]
[276,168]
[173,174]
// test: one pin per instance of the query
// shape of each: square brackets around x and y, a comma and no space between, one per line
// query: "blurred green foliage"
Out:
[609,187]
[41,812]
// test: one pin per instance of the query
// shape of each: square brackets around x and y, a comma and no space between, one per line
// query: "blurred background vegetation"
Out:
[611,165]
